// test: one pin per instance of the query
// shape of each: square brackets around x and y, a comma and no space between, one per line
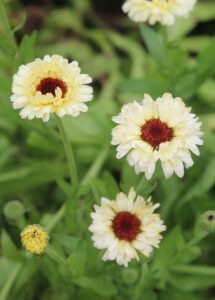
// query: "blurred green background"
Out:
[125,61]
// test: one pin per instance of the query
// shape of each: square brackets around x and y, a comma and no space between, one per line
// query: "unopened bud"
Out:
[13,210]
[207,221]
[129,276]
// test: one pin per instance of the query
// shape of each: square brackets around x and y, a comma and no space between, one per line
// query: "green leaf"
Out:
[25,178]
[190,254]
[186,282]
[6,266]
[187,85]
[195,43]
[202,185]
[20,25]
[194,270]
[9,249]
[155,86]
[168,190]
[26,49]
[101,285]
[133,49]
[106,187]
[181,28]
[5,45]
[154,44]
[7,32]
[204,11]
[167,249]
[77,260]
[100,65]
[111,184]
[43,143]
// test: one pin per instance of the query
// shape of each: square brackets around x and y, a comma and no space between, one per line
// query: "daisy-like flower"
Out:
[50,85]
[126,226]
[162,130]
[152,11]
[34,239]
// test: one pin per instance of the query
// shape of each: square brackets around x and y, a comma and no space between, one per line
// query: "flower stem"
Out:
[95,167]
[197,238]
[9,283]
[191,243]
[92,173]
[56,218]
[55,256]
[141,183]
[69,153]
[142,282]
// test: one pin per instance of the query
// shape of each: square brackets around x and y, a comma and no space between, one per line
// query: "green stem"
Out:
[197,239]
[142,282]
[9,283]
[55,256]
[191,243]
[69,153]
[92,173]
[57,217]
[96,166]
[164,34]
[141,183]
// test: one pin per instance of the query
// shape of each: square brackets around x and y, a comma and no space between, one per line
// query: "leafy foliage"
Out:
[125,62]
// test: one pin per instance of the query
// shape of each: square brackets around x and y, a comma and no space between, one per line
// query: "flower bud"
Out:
[34,239]
[13,210]
[207,221]
[129,276]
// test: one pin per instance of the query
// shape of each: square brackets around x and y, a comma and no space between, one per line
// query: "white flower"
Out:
[162,130]
[181,7]
[152,11]
[126,226]
[50,85]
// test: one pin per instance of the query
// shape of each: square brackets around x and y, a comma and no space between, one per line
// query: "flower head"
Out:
[50,85]
[152,11]
[162,130]
[34,239]
[126,226]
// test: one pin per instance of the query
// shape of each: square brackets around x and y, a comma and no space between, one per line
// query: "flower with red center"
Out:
[152,11]
[126,226]
[156,132]
[50,85]
[162,130]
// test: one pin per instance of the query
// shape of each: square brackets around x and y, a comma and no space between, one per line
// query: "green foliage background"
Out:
[125,62]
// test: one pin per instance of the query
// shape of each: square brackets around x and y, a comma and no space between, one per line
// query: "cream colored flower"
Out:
[152,11]
[34,239]
[162,130]
[126,226]
[181,7]
[50,85]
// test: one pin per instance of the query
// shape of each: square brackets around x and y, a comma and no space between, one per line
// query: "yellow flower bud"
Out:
[34,239]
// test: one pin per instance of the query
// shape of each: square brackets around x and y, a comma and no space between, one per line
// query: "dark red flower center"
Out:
[126,226]
[49,85]
[155,132]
